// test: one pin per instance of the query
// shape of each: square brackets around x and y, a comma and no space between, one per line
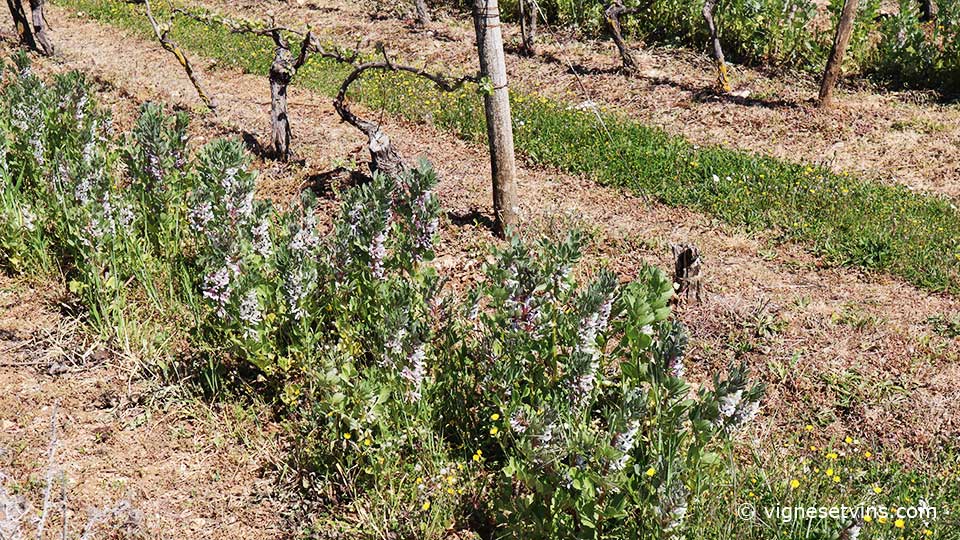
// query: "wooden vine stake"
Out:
[832,73]
[32,30]
[163,35]
[496,100]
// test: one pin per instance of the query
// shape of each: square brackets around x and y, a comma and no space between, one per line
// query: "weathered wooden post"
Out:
[486,17]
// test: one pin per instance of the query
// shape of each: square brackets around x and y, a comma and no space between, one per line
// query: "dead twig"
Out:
[163,35]
[51,453]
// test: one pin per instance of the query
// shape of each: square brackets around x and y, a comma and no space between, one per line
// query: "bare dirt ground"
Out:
[184,468]
[892,137]
[854,353]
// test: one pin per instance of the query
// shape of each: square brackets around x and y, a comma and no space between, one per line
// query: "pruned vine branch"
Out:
[162,32]
[384,157]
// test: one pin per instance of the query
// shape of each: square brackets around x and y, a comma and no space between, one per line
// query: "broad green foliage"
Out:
[577,393]
[537,406]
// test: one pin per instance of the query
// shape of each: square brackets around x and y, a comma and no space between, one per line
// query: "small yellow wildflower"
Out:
[367,442]
[346,436]
[831,455]
[494,430]
[494,417]
[794,484]
[868,518]
[829,472]
[877,489]
[867,454]
[899,524]
[848,440]
[927,532]
[881,519]
[426,506]
[651,471]
[836,479]
[808,427]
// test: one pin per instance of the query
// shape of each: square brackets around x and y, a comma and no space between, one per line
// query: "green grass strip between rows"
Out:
[847,220]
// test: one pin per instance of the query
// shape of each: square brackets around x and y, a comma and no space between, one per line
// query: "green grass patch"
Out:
[847,220]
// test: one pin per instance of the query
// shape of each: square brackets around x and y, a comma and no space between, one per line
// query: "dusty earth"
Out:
[180,467]
[901,137]
[856,354]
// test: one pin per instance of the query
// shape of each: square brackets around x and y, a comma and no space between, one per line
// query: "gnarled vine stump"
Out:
[723,80]
[686,271]
[32,30]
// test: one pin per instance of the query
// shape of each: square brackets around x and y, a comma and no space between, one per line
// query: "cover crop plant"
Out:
[541,402]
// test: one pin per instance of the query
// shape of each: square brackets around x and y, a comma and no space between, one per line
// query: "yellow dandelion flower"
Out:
[346,436]
[899,523]
[426,506]
[868,518]
[808,427]
[848,440]
[829,472]
[836,479]
[794,484]
[877,489]
[651,471]
[494,417]
[494,430]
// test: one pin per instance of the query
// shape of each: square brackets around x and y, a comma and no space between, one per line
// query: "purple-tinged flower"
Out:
[261,238]
[218,287]
[415,372]
[378,251]
[251,314]
[201,215]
